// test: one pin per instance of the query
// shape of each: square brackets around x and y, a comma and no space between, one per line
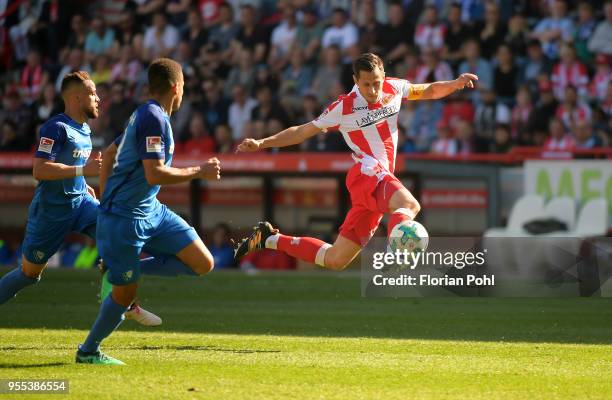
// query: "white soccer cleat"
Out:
[142,316]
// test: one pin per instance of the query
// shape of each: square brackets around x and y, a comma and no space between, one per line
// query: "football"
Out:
[408,235]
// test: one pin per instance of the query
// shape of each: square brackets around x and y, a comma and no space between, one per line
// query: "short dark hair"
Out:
[163,74]
[367,62]
[74,78]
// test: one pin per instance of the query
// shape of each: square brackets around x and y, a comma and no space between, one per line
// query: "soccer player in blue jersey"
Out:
[131,218]
[63,202]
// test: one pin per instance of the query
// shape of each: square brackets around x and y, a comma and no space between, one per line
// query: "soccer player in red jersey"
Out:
[367,119]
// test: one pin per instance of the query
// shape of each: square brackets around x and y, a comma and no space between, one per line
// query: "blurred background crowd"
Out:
[254,67]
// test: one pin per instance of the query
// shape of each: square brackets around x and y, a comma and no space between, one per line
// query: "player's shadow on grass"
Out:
[41,365]
[199,348]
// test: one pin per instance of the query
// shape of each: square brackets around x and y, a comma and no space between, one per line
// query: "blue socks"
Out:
[164,266]
[13,282]
[109,318]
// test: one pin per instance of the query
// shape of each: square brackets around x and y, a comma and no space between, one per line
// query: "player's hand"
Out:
[249,144]
[94,165]
[466,81]
[91,192]
[211,170]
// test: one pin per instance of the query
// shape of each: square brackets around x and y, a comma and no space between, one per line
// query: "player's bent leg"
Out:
[125,294]
[19,278]
[402,206]
[197,257]
[341,253]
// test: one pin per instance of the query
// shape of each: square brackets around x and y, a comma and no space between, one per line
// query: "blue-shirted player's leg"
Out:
[177,248]
[121,254]
[43,238]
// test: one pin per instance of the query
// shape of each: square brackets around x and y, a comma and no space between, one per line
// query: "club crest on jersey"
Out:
[154,144]
[81,153]
[38,255]
[128,275]
[45,145]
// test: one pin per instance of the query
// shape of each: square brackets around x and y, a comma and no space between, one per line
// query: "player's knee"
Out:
[205,265]
[407,201]
[32,270]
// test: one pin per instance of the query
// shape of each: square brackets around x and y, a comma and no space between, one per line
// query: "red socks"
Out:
[401,214]
[303,248]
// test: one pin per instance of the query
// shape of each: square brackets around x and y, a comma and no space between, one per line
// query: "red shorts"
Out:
[370,201]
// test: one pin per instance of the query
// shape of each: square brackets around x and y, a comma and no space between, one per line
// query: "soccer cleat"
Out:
[142,316]
[98,358]
[256,241]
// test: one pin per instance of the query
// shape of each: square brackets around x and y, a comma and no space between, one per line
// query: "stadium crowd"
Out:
[253,67]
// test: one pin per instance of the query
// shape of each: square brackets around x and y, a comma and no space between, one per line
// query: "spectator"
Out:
[195,34]
[241,74]
[10,141]
[456,34]
[102,70]
[214,106]
[224,32]
[297,79]
[221,248]
[430,32]
[444,144]
[456,109]
[572,110]
[341,33]
[584,137]
[545,110]
[395,38]
[19,114]
[223,138]
[160,38]
[308,35]
[600,41]
[33,77]
[476,65]
[267,108]
[75,62]
[283,37]
[502,140]
[128,32]
[537,63]
[521,111]
[466,143]
[127,68]
[99,40]
[492,31]
[251,35]
[602,78]
[553,30]
[120,109]
[423,127]
[489,114]
[370,30]
[198,141]
[518,35]
[328,74]
[240,111]
[505,75]
[212,12]
[559,139]
[48,104]
[569,72]
[432,69]
[584,31]
[177,11]
[78,33]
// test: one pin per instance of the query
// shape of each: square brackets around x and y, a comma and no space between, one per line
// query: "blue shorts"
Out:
[121,239]
[48,225]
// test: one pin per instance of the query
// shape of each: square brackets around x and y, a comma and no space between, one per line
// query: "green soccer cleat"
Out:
[256,241]
[97,358]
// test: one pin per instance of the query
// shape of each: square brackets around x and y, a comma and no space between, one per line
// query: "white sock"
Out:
[320,257]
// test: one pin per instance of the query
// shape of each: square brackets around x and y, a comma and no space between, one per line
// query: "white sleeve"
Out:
[331,117]
[401,85]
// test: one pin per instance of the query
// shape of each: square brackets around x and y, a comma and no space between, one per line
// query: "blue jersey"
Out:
[64,141]
[148,135]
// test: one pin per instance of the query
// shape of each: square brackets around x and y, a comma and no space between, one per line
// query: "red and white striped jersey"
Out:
[370,130]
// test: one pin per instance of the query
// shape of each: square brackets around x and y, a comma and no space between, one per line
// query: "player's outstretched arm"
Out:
[288,137]
[440,89]
[157,173]
[47,170]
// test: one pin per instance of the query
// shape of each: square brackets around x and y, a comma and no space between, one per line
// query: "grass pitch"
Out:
[309,336]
